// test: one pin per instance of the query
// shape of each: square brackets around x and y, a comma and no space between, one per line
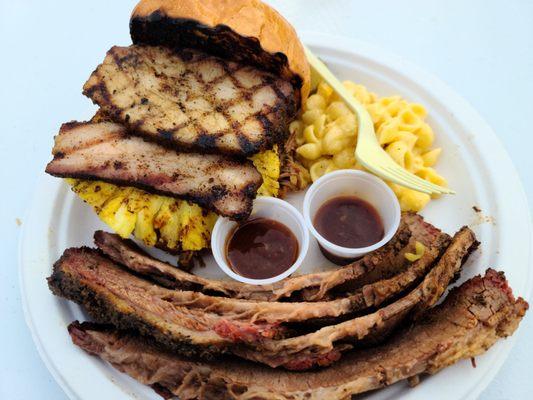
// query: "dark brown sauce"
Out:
[349,221]
[261,248]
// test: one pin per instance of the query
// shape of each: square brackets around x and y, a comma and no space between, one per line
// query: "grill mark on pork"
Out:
[193,101]
[471,319]
[105,151]
[219,40]
[379,264]
[82,275]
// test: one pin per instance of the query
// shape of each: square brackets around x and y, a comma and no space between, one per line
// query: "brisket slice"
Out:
[89,267]
[112,295]
[319,313]
[472,318]
[325,346]
[381,264]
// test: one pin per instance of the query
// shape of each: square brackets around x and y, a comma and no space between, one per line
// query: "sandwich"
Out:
[193,122]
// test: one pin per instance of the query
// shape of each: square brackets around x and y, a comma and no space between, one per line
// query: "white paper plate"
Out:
[473,160]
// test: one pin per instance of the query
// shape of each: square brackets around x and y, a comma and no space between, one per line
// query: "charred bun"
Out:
[246,31]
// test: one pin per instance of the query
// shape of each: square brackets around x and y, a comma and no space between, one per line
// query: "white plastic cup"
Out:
[264,207]
[352,183]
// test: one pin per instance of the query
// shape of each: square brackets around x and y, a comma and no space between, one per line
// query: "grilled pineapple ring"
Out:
[161,221]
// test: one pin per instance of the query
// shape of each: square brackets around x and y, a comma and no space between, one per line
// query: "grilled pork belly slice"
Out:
[193,101]
[381,264]
[174,318]
[471,319]
[105,151]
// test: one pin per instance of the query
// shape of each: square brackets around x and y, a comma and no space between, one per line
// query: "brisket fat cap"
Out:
[471,319]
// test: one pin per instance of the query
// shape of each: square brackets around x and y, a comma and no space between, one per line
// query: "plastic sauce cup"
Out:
[352,183]
[264,207]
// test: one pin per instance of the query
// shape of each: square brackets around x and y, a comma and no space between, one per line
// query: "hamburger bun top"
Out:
[246,31]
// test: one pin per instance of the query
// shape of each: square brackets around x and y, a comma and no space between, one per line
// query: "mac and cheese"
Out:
[326,135]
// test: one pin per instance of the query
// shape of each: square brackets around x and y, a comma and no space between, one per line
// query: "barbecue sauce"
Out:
[261,248]
[349,221]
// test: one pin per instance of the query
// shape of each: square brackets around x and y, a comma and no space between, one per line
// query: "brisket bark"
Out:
[472,318]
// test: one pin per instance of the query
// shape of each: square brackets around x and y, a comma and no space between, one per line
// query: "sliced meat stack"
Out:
[336,319]
[472,318]
[179,122]
[198,316]
[259,331]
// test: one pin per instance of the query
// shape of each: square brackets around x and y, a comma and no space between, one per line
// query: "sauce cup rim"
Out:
[218,242]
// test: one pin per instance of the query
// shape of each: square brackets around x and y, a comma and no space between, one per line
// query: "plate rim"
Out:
[375,54]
